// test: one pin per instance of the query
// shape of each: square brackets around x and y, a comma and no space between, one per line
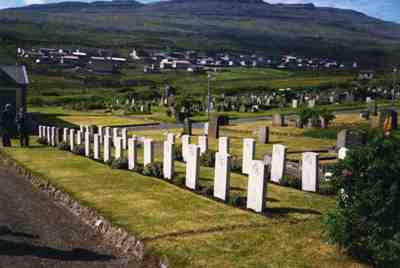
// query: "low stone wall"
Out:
[117,237]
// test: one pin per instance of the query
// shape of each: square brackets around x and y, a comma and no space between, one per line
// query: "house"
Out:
[14,83]
[366,75]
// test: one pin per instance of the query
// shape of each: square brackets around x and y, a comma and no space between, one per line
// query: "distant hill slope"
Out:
[245,25]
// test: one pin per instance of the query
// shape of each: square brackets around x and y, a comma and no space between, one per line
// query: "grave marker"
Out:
[310,172]
[168,160]
[222,176]
[107,148]
[263,135]
[132,153]
[96,146]
[148,151]
[224,145]
[256,189]
[203,144]
[192,167]
[249,151]
[278,162]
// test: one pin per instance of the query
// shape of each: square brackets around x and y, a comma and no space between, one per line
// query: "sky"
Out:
[384,9]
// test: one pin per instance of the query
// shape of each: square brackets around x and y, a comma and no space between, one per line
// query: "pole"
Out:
[394,87]
[209,95]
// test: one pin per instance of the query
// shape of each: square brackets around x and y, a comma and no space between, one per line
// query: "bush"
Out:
[121,163]
[237,200]
[291,182]
[178,153]
[366,221]
[79,150]
[42,141]
[207,190]
[153,170]
[63,146]
[236,164]
[207,159]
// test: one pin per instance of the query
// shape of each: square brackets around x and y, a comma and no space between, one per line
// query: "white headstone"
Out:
[148,152]
[118,147]
[192,166]
[107,132]
[203,144]
[79,137]
[256,189]
[107,148]
[40,132]
[124,138]
[185,145]
[342,153]
[168,161]
[53,136]
[222,176]
[81,128]
[115,135]
[223,145]
[96,146]
[100,131]
[278,162]
[132,153]
[295,104]
[87,144]
[171,138]
[48,135]
[72,139]
[249,152]
[65,134]
[310,172]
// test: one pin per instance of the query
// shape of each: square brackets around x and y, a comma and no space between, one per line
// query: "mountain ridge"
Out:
[250,25]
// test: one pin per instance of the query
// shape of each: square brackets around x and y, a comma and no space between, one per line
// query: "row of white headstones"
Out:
[255,169]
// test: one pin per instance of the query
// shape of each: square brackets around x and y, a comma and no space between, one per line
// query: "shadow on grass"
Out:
[284,211]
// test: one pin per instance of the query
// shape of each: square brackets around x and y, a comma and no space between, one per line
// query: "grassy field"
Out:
[69,118]
[191,230]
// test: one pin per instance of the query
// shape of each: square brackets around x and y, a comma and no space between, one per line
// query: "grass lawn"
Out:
[191,230]
[62,117]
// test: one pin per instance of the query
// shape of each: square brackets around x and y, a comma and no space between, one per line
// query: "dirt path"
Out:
[34,232]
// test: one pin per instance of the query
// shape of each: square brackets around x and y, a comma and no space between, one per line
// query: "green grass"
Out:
[68,118]
[191,230]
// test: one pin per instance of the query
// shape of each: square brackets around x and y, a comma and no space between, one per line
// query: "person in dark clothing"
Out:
[7,125]
[23,127]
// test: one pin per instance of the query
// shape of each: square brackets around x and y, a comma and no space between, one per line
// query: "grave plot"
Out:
[189,229]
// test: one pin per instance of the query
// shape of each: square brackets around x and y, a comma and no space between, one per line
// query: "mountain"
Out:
[209,25]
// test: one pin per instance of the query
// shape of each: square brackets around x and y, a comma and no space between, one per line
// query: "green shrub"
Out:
[236,164]
[63,146]
[153,170]
[138,168]
[366,221]
[178,153]
[42,141]
[79,150]
[237,200]
[207,159]
[291,182]
[207,190]
[121,163]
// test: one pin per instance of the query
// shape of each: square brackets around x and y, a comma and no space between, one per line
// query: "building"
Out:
[14,83]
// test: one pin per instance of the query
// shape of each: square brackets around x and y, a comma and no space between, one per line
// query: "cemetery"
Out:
[190,208]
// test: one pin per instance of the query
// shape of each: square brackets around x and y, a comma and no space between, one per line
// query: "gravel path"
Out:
[35,232]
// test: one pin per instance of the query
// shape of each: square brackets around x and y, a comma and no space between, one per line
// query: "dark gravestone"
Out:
[372,108]
[187,126]
[365,115]
[213,127]
[350,137]
[223,120]
[388,120]
[278,120]
[263,135]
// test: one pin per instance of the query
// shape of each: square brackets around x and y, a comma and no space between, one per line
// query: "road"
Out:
[34,232]
[166,126]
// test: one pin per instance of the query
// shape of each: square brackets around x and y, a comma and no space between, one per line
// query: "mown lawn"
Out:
[191,230]
[62,117]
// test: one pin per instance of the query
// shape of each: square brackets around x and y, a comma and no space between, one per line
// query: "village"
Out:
[107,62]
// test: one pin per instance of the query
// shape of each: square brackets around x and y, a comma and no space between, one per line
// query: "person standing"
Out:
[7,125]
[22,122]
